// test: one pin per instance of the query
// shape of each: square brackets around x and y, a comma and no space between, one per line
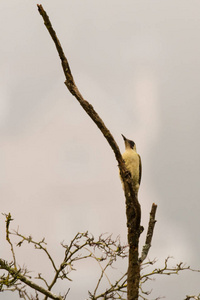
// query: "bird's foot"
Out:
[127,174]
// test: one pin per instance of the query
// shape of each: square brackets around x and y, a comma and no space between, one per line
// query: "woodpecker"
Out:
[132,161]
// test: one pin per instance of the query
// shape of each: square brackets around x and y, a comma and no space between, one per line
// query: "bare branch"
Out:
[8,220]
[79,248]
[133,210]
[82,246]
[38,245]
[17,274]
[113,292]
[70,83]
[166,270]
[101,276]
[152,221]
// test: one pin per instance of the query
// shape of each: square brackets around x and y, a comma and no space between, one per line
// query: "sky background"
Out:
[138,64]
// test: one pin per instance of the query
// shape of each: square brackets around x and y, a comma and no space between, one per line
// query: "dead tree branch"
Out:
[8,220]
[133,210]
[16,274]
[104,250]
[149,236]
[70,83]
[165,270]
[38,245]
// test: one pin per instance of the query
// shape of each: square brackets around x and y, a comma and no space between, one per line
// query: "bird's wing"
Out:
[140,168]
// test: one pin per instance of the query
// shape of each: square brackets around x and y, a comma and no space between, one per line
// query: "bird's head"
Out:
[129,144]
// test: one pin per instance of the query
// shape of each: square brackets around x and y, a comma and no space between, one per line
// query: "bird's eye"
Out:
[132,144]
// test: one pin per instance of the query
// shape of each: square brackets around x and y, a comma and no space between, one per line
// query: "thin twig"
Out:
[117,287]
[38,245]
[66,259]
[167,270]
[102,271]
[22,278]
[8,220]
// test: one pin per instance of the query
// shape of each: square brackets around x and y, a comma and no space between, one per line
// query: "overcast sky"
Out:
[138,64]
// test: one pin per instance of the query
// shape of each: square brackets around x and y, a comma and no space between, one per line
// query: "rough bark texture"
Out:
[133,211]
[133,214]
[149,236]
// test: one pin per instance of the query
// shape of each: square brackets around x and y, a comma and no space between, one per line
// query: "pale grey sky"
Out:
[138,64]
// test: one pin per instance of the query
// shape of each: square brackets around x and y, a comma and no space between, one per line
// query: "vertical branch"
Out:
[133,210]
[149,236]
[8,220]
[133,213]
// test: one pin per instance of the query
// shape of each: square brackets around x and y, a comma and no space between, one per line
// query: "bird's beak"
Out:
[125,139]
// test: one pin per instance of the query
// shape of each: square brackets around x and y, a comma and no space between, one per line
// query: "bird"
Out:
[132,162]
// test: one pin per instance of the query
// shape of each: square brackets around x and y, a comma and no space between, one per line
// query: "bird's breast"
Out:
[131,159]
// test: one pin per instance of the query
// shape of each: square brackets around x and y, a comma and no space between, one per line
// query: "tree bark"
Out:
[133,211]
